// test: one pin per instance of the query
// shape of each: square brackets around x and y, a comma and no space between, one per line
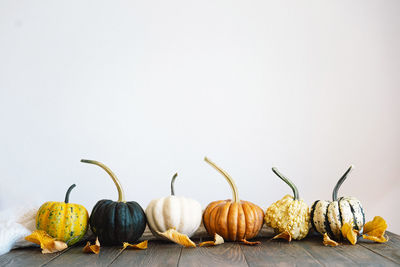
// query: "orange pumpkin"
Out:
[234,219]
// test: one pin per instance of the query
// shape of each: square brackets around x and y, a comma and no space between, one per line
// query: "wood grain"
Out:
[389,250]
[277,253]
[158,253]
[327,256]
[28,257]
[227,254]
[75,257]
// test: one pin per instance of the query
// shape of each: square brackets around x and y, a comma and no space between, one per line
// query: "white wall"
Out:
[151,87]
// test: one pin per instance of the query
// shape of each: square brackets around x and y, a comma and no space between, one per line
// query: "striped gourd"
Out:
[329,217]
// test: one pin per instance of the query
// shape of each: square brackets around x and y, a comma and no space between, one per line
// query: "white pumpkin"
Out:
[181,213]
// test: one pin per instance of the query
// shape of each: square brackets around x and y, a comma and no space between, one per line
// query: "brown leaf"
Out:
[92,248]
[329,242]
[178,238]
[284,235]
[249,243]
[375,230]
[349,233]
[46,242]
[218,240]
[141,245]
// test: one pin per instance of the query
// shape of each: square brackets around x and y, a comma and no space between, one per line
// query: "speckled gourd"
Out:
[63,220]
[290,213]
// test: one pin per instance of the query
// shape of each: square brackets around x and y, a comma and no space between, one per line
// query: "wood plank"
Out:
[227,254]
[76,257]
[277,253]
[364,256]
[389,250]
[31,256]
[158,253]
[327,256]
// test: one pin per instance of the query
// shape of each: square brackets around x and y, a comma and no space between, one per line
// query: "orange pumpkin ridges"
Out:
[234,219]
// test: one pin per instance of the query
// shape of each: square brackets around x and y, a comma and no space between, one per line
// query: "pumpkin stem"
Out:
[121,196]
[68,192]
[235,193]
[172,184]
[290,183]
[340,182]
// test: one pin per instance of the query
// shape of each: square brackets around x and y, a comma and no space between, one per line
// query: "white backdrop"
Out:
[151,87]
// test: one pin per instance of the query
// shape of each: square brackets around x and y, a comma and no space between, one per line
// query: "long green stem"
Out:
[68,192]
[172,184]
[235,193]
[290,183]
[121,195]
[340,182]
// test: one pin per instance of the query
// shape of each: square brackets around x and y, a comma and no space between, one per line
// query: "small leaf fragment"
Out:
[375,230]
[141,245]
[92,248]
[250,243]
[329,242]
[349,233]
[284,235]
[47,243]
[218,240]
[178,238]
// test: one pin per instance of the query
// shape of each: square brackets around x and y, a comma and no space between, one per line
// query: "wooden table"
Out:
[309,251]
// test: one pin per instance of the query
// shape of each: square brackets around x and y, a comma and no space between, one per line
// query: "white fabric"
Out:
[15,224]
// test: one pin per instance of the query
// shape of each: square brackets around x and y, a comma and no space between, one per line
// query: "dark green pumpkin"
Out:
[115,222]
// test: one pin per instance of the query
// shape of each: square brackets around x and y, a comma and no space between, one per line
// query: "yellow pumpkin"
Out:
[62,220]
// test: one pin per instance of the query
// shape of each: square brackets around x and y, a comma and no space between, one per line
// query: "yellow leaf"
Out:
[329,242]
[375,230]
[141,245]
[92,248]
[218,240]
[249,243]
[46,242]
[349,233]
[178,238]
[284,235]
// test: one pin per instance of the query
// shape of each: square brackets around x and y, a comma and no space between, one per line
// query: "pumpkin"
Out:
[329,217]
[62,220]
[235,219]
[115,222]
[173,212]
[289,214]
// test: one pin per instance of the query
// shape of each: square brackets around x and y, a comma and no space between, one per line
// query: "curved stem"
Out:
[235,193]
[340,182]
[121,196]
[172,184]
[68,192]
[290,183]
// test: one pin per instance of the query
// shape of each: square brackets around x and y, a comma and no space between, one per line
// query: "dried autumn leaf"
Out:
[284,235]
[178,238]
[349,233]
[47,243]
[329,242]
[92,248]
[375,230]
[141,245]
[218,240]
[249,243]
